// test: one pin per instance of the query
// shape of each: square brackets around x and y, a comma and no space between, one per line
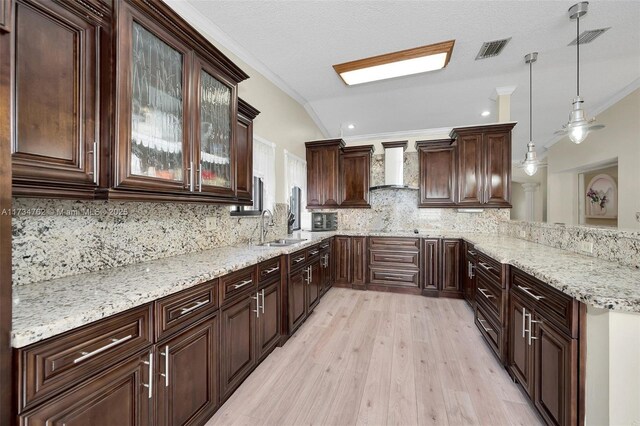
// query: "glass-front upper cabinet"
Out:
[176,112]
[215,147]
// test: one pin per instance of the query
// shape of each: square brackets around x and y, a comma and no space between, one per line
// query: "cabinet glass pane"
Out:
[215,132]
[156,106]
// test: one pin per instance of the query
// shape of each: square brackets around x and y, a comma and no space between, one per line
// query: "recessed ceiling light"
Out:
[485,113]
[397,64]
[351,127]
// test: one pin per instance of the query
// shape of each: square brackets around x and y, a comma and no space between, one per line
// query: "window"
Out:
[295,209]
[258,201]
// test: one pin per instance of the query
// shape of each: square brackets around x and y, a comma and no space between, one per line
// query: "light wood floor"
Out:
[375,358]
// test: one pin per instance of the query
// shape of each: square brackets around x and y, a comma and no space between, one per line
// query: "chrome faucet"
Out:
[263,230]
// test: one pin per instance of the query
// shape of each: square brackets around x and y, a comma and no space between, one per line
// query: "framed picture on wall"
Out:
[601,198]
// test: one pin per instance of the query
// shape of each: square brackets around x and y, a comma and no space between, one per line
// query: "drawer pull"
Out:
[257,299]
[481,321]
[526,290]
[242,284]
[472,253]
[524,318]
[262,306]
[114,342]
[298,260]
[487,267]
[165,354]
[488,296]
[270,270]
[324,246]
[193,307]
[530,330]
[314,252]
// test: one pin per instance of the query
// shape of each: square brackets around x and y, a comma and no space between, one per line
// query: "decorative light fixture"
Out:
[397,64]
[530,163]
[578,126]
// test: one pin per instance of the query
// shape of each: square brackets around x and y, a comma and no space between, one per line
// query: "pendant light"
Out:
[578,126]
[530,163]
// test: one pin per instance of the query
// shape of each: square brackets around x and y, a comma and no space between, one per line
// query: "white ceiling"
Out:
[297,42]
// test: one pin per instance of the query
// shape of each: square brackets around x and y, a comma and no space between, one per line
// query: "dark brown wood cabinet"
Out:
[268,322]
[343,264]
[61,102]
[323,173]
[437,171]
[546,341]
[394,264]
[484,165]
[244,149]
[187,374]
[359,261]
[451,284]
[314,285]
[431,266]
[469,273]
[326,265]
[238,344]
[119,396]
[355,172]
[297,298]
[5,16]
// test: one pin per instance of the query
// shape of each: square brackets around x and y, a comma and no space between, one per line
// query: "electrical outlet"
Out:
[586,247]
[212,223]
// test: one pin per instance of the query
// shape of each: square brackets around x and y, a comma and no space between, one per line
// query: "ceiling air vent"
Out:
[588,36]
[492,48]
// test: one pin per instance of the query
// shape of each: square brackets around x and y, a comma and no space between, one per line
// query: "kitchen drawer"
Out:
[490,330]
[394,259]
[469,251]
[313,253]
[182,309]
[237,283]
[325,245]
[390,277]
[269,270]
[554,305]
[491,267]
[297,259]
[393,243]
[489,293]
[51,366]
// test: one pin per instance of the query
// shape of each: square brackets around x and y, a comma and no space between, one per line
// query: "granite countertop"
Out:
[44,309]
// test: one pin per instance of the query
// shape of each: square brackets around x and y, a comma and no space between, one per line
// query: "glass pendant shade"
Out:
[530,163]
[578,126]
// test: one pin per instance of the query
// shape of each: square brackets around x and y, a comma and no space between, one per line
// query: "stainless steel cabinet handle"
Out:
[524,318]
[314,252]
[481,321]
[193,307]
[488,296]
[263,300]
[150,385]
[114,342]
[531,329]
[191,170]
[270,270]
[200,178]
[485,266]
[94,154]
[469,269]
[298,260]
[310,275]
[472,253]
[324,246]
[165,354]
[526,290]
[242,284]
[308,271]
[257,299]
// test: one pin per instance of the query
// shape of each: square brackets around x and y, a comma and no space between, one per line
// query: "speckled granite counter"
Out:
[44,309]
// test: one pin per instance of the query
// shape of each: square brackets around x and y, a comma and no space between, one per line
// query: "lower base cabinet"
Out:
[268,321]
[297,298]
[187,387]
[121,396]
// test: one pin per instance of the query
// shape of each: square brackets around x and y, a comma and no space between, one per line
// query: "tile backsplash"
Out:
[410,169]
[621,246]
[58,238]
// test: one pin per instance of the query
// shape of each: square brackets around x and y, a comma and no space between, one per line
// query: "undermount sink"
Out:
[283,243]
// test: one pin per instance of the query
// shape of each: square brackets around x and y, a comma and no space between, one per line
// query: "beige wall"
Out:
[519,210]
[282,119]
[619,140]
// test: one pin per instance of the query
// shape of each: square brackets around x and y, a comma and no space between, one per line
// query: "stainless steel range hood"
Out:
[393,165]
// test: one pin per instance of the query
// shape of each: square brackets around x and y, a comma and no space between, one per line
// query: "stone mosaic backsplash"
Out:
[410,169]
[58,238]
[621,246]
[397,210]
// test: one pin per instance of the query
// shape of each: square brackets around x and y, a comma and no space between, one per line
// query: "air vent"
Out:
[588,36]
[492,48]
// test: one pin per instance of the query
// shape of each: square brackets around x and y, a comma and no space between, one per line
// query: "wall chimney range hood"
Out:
[393,165]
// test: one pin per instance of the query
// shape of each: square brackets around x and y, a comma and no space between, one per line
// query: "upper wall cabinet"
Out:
[437,169]
[176,109]
[244,149]
[337,176]
[355,171]
[60,96]
[323,173]
[5,16]
[484,165]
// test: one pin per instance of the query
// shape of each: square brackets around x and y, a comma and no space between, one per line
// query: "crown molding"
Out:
[504,90]
[614,99]
[217,36]
[435,133]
